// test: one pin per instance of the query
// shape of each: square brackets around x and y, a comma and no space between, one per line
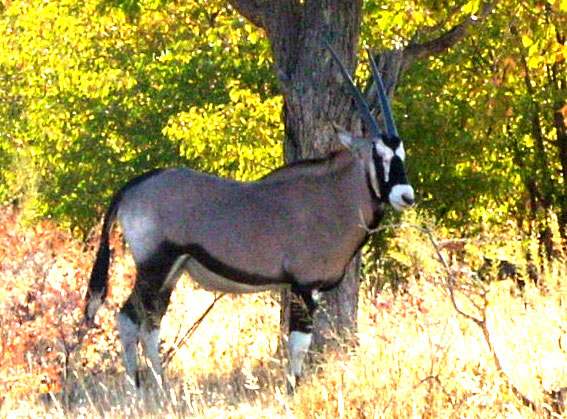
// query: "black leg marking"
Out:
[302,307]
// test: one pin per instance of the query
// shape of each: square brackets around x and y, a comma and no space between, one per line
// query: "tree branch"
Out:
[441,24]
[393,63]
[448,39]
[281,20]
[253,10]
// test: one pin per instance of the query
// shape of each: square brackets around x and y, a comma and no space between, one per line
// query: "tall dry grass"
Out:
[415,357]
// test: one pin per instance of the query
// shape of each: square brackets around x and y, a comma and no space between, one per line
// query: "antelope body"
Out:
[298,227]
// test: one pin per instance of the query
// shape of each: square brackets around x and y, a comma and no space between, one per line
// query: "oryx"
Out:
[297,227]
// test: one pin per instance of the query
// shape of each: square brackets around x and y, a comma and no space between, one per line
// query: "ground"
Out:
[415,355]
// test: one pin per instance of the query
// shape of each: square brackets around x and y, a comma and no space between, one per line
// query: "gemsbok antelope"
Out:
[297,227]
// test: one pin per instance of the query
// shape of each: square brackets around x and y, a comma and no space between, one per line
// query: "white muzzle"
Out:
[401,197]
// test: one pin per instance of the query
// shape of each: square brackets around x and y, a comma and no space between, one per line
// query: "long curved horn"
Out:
[361,103]
[391,129]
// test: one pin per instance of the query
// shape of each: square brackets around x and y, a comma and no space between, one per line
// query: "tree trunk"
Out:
[560,116]
[313,98]
[315,95]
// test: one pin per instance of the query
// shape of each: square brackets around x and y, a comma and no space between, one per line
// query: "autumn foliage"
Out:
[94,93]
[415,354]
[43,275]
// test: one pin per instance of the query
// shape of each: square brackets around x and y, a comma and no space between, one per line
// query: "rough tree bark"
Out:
[315,94]
[557,76]
[560,117]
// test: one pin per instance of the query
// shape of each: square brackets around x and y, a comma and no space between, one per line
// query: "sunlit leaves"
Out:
[241,139]
[394,24]
[93,93]
[88,88]
[487,101]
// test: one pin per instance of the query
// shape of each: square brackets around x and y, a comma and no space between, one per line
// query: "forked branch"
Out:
[480,322]
[556,405]
[446,40]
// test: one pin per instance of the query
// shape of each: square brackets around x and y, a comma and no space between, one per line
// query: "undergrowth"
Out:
[416,356]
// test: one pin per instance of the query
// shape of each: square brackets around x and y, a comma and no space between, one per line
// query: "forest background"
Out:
[93,93]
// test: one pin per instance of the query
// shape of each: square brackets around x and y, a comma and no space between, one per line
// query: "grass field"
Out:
[415,357]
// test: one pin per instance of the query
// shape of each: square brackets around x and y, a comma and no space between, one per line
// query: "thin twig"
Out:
[480,322]
[182,340]
[450,278]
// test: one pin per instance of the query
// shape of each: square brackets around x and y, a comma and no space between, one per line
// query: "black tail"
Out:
[98,283]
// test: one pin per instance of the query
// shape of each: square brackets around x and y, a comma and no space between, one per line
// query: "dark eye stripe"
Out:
[397,172]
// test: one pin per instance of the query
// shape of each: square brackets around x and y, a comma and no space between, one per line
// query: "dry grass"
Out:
[416,357]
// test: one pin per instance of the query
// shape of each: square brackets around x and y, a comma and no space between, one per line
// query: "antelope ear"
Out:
[347,139]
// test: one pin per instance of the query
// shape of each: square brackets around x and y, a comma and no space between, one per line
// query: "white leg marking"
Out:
[129,337]
[299,343]
[316,295]
[150,342]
